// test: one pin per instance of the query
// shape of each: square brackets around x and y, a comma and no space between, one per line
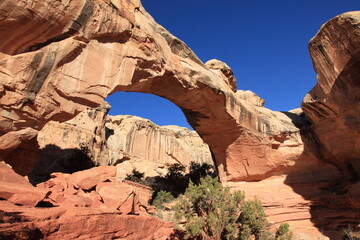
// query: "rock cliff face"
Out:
[60,58]
[333,105]
[324,195]
[139,143]
[127,141]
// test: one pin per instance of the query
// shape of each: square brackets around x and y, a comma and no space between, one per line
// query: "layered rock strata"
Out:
[327,194]
[139,143]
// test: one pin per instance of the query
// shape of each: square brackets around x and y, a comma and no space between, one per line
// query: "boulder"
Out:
[16,189]
[251,97]
[90,178]
[223,71]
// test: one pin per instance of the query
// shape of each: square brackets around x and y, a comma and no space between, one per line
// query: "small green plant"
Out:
[253,221]
[211,211]
[175,173]
[198,171]
[283,232]
[161,198]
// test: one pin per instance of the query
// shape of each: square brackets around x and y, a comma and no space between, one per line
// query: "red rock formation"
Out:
[121,142]
[333,105]
[63,70]
[324,196]
[139,143]
[77,223]
[70,61]
[89,204]
[17,189]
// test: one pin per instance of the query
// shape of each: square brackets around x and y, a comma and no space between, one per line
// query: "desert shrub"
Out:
[283,232]
[198,171]
[211,211]
[175,179]
[136,176]
[253,221]
[175,173]
[162,197]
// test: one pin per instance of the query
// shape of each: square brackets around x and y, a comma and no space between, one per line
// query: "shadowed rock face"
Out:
[61,58]
[53,66]
[333,104]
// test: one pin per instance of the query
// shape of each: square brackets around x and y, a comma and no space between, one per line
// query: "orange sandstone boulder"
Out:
[90,178]
[17,189]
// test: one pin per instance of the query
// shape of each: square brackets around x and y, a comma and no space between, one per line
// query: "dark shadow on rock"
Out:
[24,157]
[108,132]
[9,219]
[177,234]
[54,159]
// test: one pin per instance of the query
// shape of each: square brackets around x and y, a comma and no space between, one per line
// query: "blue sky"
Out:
[264,42]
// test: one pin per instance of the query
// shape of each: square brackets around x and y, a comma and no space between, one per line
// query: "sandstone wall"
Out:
[138,143]
[333,105]
[127,141]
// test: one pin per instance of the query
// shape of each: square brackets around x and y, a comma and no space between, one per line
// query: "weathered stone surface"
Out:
[138,143]
[17,189]
[77,223]
[250,97]
[314,209]
[96,188]
[127,141]
[88,179]
[223,71]
[333,105]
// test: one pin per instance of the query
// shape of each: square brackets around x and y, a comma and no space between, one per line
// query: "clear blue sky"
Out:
[263,41]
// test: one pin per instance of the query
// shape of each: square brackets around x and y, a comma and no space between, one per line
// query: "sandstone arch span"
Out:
[52,67]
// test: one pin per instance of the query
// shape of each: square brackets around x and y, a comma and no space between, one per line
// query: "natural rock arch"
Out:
[119,47]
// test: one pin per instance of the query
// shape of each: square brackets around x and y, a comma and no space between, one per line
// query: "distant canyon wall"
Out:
[127,141]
